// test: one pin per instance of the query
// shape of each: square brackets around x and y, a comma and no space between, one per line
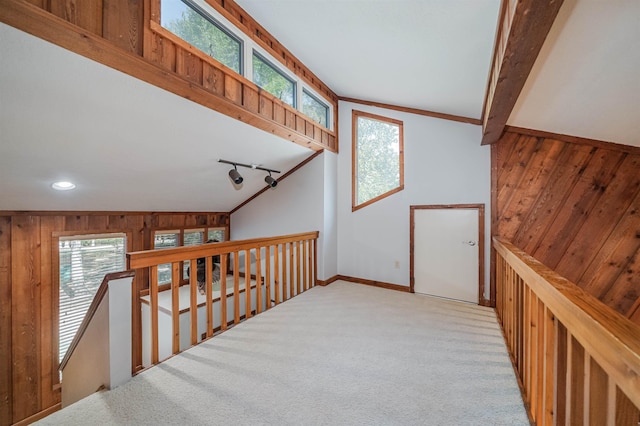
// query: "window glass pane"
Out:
[196,27]
[216,234]
[273,81]
[314,109]
[378,154]
[165,240]
[83,265]
[190,239]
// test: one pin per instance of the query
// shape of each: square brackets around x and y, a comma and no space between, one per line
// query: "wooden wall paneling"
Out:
[232,89]
[160,51]
[25,315]
[278,113]
[117,221]
[122,24]
[510,177]
[300,124]
[627,414]
[49,296]
[251,99]
[577,380]
[188,66]
[615,254]
[6,394]
[98,222]
[625,291]
[598,382]
[266,107]
[535,175]
[212,79]
[76,222]
[579,205]
[85,14]
[597,227]
[552,197]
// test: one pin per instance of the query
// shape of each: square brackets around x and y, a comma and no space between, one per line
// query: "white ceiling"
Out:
[428,54]
[127,145]
[586,81]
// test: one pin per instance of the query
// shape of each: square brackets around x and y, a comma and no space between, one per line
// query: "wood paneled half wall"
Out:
[574,205]
[28,305]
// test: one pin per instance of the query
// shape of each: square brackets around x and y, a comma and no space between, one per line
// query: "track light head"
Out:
[235,176]
[271,181]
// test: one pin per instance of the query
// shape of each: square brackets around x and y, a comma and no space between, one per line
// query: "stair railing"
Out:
[577,360]
[256,275]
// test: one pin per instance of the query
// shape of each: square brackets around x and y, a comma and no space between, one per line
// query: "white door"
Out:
[445,253]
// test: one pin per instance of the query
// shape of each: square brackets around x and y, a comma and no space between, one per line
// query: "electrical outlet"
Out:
[396,264]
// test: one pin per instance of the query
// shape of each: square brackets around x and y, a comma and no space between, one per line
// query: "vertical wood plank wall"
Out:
[28,361]
[575,206]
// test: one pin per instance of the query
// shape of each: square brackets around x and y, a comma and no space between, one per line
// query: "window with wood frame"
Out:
[377,158]
[84,261]
[182,237]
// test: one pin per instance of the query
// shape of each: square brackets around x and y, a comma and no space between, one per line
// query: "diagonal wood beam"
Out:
[525,30]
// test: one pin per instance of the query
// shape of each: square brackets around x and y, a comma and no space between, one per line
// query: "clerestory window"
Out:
[274,81]
[188,21]
[378,158]
[314,108]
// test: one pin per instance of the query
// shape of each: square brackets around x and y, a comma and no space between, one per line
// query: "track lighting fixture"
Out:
[237,178]
[271,181]
[235,175]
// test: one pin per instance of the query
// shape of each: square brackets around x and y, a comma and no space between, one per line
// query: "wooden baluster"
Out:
[298,268]
[577,379]
[236,287]
[595,397]
[193,299]
[153,307]
[223,291]
[292,284]
[267,274]
[284,272]
[305,264]
[550,372]
[176,273]
[247,283]
[561,392]
[258,280]
[533,352]
[310,262]
[315,261]
[276,273]
[540,355]
[209,294]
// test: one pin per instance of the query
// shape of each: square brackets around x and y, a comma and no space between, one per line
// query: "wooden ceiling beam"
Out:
[523,30]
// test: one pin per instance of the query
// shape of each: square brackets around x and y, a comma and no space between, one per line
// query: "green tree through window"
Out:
[273,81]
[377,158]
[194,26]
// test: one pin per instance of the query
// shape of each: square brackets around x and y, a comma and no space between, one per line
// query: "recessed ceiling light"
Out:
[63,186]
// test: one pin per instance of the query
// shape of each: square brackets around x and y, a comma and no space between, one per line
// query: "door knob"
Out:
[471,243]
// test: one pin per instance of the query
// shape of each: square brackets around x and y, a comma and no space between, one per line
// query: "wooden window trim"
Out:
[355,114]
[55,300]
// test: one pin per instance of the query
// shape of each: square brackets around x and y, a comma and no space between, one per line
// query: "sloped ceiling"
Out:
[586,80]
[128,145]
[427,54]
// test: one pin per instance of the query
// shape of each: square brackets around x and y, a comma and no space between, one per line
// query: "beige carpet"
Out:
[345,354]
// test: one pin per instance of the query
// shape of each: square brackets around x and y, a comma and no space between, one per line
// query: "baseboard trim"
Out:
[40,415]
[373,283]
[328,281]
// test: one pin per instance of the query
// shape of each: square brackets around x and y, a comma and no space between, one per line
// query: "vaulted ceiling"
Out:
[132,146]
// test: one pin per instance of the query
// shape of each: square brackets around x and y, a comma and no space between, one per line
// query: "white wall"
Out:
[444,164]
[300,203]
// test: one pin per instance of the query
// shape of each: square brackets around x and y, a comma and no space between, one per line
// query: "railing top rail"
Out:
[142,259]
[610,338]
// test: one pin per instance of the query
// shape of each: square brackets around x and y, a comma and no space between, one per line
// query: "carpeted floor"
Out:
[345,354]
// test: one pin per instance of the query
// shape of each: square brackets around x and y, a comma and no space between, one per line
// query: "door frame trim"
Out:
[481,236]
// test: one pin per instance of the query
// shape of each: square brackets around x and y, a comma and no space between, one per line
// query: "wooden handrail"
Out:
[530,292]
[97,299]
[143,259]
[177,317]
